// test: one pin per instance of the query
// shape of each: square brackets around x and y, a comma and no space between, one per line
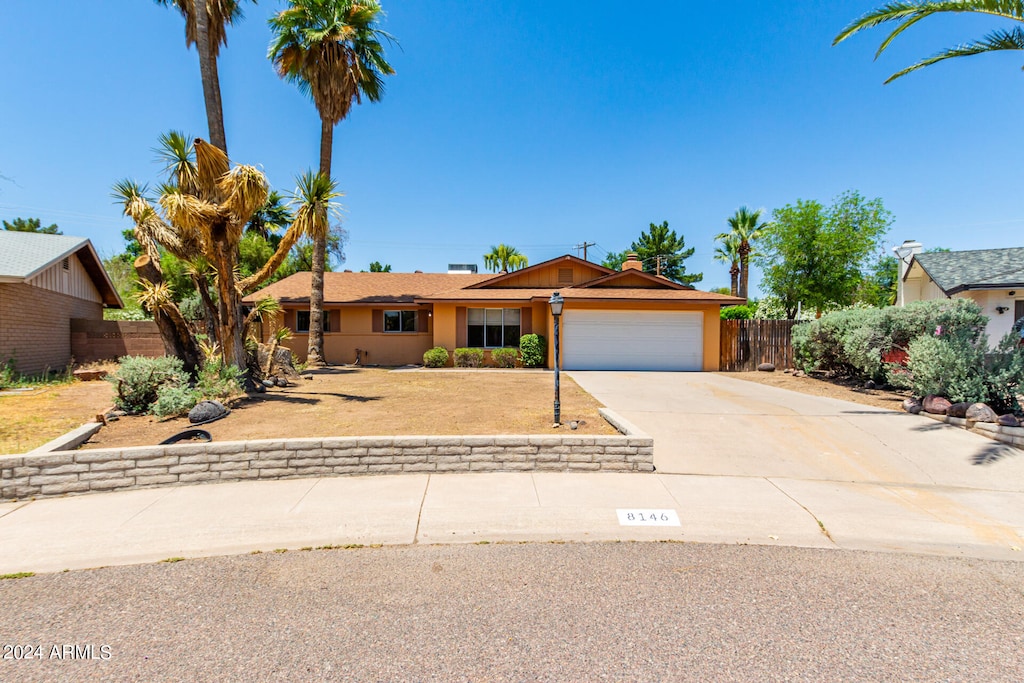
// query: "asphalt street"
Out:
[539,611]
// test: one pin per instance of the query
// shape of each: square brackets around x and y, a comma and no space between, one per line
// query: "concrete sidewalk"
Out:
[190,521]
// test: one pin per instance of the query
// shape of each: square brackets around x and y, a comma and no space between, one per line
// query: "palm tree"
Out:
[729,253]
[505,259]
[746,227]
[331,50]
[906,13]
[206,27]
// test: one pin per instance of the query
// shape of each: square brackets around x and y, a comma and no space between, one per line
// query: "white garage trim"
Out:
[632,340]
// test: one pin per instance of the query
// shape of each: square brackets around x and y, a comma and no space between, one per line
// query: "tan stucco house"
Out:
[45,282]
[623,320]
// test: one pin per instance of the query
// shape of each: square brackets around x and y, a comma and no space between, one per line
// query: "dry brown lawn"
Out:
[370,402]
[30,419]
[846,391]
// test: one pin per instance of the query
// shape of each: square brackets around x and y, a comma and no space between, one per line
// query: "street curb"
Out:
[69,441]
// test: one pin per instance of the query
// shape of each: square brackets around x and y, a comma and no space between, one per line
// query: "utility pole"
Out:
[584,248]
[657,265]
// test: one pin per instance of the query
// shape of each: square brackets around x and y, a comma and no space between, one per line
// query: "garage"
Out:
[632,340]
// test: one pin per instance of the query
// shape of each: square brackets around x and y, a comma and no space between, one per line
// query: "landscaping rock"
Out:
[1008,421]
[798,373]
[282,364]
[912,405]
[958,410]
[936,405]
[870,384]
[766,367]
[282,381]
[979,412]
[89,375]
[269,382]
[259,388]
[207,411]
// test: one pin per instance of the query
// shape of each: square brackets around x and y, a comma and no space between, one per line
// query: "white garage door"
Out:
[632,340]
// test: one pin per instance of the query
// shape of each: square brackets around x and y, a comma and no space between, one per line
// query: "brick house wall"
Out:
[93,340]
[35,326]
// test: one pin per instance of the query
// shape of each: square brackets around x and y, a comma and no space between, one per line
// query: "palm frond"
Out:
[1012,39]
[154,297]
[175,150]
[244,189]
[212,164]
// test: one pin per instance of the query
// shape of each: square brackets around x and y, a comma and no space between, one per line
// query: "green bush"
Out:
[173,400]
[504,358]
[218,380]
[469,358]
[436,357]
[738,312]
[532,349]
[138,380]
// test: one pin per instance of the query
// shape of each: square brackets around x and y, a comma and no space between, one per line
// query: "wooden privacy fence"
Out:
[748,343]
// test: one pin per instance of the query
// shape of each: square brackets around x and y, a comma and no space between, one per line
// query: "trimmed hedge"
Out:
[532,349]
[504,358]
[469,358]
[436,357]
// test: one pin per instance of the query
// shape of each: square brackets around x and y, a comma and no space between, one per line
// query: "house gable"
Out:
[564,271]
[632,279]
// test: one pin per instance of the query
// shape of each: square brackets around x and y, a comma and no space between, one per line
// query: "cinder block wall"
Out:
[93,340]
[35,326]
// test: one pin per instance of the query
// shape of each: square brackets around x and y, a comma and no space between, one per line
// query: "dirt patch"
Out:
[31,418]
[828,388]
[371,402]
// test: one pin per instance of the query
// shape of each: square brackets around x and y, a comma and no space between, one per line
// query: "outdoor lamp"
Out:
[556,302]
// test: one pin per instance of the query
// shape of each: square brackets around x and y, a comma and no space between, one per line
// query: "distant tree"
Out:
[729,252]
[722,290]
[817,255]
[906,13]
[31,225]
[615,259]
[272,219]
[878,287]
[504,259]
[745,227]
[661,249]
[376,267]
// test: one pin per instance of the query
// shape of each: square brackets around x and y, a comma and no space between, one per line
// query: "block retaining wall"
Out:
[73,472]
[1011,436]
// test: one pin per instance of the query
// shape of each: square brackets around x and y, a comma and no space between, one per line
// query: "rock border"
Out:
[1011,436]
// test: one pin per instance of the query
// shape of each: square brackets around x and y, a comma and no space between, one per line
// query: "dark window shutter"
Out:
[460,327]
[526,320]
[421,320]
[378,320]
[336,321]
[289,319]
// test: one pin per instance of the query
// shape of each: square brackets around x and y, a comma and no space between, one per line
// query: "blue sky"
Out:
[541,125]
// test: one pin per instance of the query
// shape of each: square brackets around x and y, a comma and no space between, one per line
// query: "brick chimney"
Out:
[632,262]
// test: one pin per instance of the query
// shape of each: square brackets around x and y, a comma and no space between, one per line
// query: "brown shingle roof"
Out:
[588,293]
[365,288]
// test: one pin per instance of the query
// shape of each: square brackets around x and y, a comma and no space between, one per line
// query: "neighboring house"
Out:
[611,320]
[45,281]
[994,278]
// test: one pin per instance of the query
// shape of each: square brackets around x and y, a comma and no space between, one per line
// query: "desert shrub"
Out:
[138,381]
[819,345]
[950,365]
[504,358]
[469,358]
[173,400]
[8,376]
[192,307]
[436,357]
[738,312]
[1005,370]
[532,350]
[218,380]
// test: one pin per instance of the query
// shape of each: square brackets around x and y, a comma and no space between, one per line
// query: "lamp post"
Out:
[556,302]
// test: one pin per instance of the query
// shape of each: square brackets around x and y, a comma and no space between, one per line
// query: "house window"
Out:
[399,321]
[302,321]
[493,327]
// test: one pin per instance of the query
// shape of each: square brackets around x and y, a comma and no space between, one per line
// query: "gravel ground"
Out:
[629,611]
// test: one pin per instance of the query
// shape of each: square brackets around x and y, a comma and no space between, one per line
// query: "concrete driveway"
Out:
[871,477]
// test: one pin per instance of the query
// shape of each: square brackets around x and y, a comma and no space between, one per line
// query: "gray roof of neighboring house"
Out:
[956,271]
[24,254]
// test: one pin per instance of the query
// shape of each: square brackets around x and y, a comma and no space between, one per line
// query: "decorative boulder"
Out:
[936,405]
[912,405]
[798,373]
[207,411]
[282,381]
[766,367]
[1008,421]
[979,412]
[958,410]
[870,384]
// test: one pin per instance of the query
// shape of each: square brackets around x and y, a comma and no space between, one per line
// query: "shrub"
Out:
[532,350]
[218,380]
[173,400]
[436,357]
[138,381]
[738,312]
[504,358]
[469,358]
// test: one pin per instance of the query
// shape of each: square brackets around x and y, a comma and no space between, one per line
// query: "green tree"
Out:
[331,50]
[504,259]
[615,259]
[31,225]
[906,13]
[878,287]
[662,250]
[816,255]
[729,252]
[206,27]
[745,227]
[377,267]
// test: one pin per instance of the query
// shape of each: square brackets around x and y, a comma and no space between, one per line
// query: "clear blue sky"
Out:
[540,125]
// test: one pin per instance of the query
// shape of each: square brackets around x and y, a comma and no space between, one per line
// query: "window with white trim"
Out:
[399,321]
[493,327]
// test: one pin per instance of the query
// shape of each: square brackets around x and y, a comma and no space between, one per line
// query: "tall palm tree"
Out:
[746,226]
[504,259]
[206,27]
[729,253]
[906,13]
[331,50]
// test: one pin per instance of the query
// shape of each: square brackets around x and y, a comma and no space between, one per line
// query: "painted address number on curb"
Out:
[648,518]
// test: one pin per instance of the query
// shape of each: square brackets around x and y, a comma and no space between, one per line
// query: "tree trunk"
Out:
[230,301]
[744,268]
[734,275]
[210,77]
[315,348]
[212,315]
[174,329]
